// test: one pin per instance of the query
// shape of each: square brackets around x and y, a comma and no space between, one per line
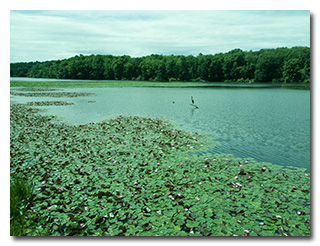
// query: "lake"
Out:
[269,124]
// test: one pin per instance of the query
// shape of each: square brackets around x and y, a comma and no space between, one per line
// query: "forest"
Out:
[280,65]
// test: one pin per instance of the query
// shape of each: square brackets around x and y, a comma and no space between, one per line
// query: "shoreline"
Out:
[122,83]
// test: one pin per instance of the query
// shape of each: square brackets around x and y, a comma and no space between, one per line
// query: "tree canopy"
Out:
[287,65]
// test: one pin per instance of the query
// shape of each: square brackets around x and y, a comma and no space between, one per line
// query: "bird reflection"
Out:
[192,111]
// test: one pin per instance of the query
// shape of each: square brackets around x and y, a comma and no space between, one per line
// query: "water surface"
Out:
[271,125]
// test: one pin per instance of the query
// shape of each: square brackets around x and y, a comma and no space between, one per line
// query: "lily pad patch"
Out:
[50,94]
[122,177]
[49,103]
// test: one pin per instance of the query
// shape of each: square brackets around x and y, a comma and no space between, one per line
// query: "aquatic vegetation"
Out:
[50,94]
[38,89]
[128,83]
[137,176]
[49,103]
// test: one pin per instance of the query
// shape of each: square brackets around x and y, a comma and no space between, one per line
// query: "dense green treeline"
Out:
[286,65]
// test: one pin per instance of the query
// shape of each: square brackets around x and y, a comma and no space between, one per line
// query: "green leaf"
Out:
[192,224]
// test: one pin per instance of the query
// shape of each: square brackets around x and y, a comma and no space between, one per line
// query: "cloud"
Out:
[48,35]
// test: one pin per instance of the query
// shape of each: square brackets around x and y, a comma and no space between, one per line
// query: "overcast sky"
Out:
[51,35]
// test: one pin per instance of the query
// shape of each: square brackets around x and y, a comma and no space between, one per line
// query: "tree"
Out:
[118,67]
[270,65]
[267,65]
[233,65]
[161,71]
[182,68]
[171,69]
[202,66]
[216,68]
[97,70]
[291,71]
[108,72]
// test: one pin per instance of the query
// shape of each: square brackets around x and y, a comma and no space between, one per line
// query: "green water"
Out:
[271,125]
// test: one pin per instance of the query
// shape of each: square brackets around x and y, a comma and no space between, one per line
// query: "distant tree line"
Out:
[285,65]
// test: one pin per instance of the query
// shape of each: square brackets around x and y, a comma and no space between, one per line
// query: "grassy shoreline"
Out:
[73,84]
[135,176]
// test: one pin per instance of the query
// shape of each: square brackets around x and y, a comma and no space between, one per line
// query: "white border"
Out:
[6,6]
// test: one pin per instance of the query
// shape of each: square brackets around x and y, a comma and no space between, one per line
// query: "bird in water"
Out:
[192,100]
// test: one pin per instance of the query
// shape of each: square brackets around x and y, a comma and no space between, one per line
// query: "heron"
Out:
[192,100]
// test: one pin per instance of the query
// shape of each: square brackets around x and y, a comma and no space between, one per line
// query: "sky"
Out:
[37,35]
